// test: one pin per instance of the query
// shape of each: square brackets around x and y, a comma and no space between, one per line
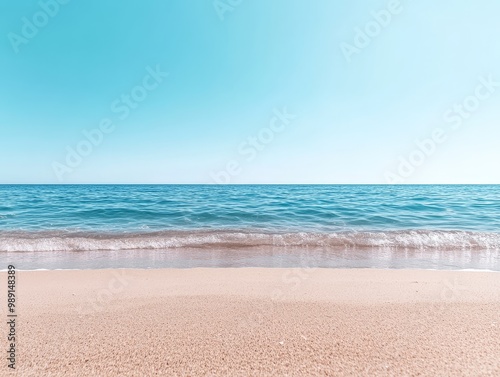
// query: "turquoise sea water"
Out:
[250,224]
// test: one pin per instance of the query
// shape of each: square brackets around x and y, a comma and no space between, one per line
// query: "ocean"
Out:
[184,226]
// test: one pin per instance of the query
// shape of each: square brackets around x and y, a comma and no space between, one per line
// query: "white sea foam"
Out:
[414,240]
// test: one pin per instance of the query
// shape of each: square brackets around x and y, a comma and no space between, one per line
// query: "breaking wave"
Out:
[33,241]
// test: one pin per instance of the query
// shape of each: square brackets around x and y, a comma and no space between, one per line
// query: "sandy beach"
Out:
[256,322]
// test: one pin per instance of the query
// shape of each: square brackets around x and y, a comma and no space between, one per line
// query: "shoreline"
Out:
[257,267]
[257,322]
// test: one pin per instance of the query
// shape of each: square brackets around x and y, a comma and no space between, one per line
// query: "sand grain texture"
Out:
[257,322]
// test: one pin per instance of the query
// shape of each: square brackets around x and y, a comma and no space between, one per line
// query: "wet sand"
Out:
[256,322]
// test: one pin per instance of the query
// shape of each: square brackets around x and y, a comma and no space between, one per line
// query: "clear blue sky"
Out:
[231,68]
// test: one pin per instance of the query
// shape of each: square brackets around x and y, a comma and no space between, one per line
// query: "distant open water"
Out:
[150,226]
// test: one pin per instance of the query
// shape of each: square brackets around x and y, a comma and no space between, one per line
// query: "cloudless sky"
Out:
[230,69]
